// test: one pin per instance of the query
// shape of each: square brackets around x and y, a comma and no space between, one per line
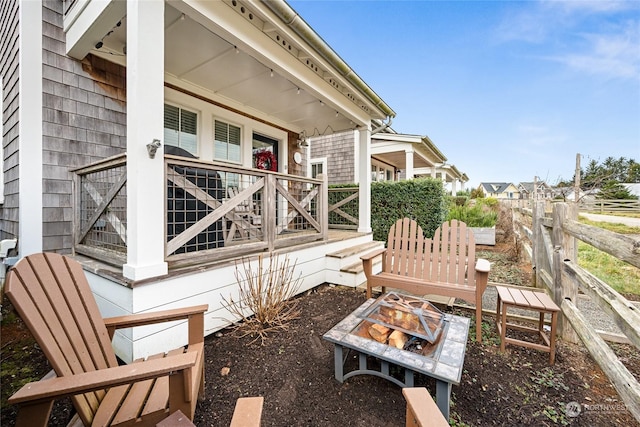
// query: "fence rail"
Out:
[601,206]
[550,239]
[213,210]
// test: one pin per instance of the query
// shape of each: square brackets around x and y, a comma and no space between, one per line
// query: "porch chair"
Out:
[52,296]
[425,266]
[244,218]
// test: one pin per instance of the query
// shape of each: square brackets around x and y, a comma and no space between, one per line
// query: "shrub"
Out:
[481,213]
[265,301]
[422,199]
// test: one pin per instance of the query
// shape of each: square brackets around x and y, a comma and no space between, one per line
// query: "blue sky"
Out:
[507,90]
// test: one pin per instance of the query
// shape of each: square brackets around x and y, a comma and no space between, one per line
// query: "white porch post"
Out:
[145,122]
[408,154]
[363,139]
[433,172]
[454,186]
[30,128]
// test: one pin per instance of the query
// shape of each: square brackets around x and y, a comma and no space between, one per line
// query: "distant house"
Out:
[394,157]
[633,188]
[542,190]
[499,190]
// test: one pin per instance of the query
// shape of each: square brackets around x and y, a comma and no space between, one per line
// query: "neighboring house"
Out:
[393,157]
[632,188]
[543,190]
[97,93]
[499,190]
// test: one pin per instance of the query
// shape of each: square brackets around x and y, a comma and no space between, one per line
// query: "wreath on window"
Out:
[266,160]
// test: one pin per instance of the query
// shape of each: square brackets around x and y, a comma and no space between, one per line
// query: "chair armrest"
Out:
[483,265]
[59,387]
[422,411]
[195,314]
[142,319]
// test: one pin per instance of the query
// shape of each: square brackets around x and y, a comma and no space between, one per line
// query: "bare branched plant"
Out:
[265,303]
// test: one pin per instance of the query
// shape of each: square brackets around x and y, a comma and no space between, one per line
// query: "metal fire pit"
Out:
[411,315]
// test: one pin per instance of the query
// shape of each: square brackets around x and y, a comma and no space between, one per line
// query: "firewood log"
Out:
[379,333]
[398,339]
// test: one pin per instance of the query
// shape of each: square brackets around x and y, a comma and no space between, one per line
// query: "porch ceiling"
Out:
[399,159]
[196,55]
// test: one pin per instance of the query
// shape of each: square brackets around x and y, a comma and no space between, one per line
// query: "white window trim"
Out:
[317,160]
[242,140]
[199,126]
[210,112]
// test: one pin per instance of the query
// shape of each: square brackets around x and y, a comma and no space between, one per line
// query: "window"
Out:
[227,142]
[316,169]
[180,128]
[374,173]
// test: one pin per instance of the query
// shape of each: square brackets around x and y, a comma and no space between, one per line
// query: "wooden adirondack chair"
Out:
[52,296]
[424,266]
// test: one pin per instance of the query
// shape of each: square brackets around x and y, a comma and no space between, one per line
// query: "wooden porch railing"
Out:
[344,208]
[550,240]
[214,211]
[100,210]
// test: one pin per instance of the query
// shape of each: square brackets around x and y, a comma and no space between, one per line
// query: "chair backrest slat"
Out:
[53,297]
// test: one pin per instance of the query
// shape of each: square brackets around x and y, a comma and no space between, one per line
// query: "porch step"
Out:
[358,249]
[344,267]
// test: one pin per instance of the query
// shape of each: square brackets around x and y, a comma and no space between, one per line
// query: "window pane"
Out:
[227,141]
[189,122]
[171,125]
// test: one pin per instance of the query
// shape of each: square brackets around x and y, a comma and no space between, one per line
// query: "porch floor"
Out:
[114,273]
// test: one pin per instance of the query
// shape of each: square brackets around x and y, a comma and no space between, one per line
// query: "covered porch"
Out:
[413,156]
[225,82]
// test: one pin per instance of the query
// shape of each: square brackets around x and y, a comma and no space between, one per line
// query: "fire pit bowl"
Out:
[410,315]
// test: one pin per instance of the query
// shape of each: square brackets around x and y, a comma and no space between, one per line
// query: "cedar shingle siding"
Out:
[84,116]
[339,150]
[84,120]
[9,71]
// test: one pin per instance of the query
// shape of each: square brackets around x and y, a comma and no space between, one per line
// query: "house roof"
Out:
[495,187]
[528,186]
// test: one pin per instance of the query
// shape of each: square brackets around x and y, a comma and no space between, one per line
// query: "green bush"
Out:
[422,199]
[474,216]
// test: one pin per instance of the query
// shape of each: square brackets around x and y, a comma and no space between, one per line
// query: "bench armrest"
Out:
[59,387]
[483,265]
[367,263]
[371,255]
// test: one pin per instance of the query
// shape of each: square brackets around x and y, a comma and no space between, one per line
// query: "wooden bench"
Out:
[421,266]
[527,300]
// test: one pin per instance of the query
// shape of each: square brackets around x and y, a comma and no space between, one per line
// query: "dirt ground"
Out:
[293,370]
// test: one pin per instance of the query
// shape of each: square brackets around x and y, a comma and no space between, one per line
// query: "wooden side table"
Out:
[539,302]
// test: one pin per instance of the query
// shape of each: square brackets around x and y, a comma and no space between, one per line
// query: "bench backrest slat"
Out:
[443,259]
